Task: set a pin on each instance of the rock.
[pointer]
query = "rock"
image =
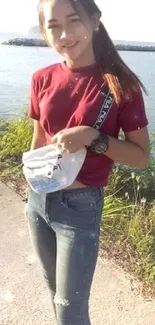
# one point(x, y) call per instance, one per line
point(25, 42)
point(41, 43)
point(143, 48)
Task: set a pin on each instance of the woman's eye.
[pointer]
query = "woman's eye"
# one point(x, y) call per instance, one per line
point(53, 27)
point(75, 20)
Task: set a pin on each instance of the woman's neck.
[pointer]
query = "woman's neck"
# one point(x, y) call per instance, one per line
point(87, 58)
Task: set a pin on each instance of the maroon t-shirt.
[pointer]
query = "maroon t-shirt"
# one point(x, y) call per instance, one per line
point(62, 97)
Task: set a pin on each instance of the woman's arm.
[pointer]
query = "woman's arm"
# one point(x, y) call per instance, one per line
point(38, 139)
point(134, 151)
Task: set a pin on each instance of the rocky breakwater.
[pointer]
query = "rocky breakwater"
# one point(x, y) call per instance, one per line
point(41, 43)
point(141, 48)
point(25, 42)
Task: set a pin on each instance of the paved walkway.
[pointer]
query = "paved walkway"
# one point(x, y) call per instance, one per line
point(24, 298)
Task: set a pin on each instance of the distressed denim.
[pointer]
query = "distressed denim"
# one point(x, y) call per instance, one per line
point(64, 229)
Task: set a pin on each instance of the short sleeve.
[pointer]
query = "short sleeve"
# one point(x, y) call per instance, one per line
point(132, 114)
point(34, 110)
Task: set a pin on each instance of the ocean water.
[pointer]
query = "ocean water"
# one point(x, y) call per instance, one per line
point(18, 63)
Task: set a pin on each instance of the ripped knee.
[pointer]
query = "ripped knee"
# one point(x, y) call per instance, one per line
point(61, 302)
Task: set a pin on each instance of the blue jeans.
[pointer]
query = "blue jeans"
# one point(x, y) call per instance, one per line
point(64, 228)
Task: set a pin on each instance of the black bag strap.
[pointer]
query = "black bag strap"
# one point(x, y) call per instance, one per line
point(105, 109)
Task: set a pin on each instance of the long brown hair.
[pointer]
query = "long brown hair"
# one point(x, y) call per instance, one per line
point(119, 78)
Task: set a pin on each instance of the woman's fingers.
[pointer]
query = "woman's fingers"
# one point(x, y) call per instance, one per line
point(65, 142)
point(55, 139)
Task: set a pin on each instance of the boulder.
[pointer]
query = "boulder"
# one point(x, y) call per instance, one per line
point(25, 42)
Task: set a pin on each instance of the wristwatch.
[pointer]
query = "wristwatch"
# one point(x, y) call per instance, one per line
point(100, 145)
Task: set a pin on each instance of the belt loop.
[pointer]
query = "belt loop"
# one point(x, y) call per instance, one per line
point(61, 196)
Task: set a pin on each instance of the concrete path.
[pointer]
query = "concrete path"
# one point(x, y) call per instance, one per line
point(24, 298)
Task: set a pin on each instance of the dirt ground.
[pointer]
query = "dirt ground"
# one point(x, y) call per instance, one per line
point(24, 298)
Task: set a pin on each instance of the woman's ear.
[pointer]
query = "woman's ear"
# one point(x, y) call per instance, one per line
point(96, 21)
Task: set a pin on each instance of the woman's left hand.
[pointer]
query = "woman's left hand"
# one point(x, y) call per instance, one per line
point(75, 138)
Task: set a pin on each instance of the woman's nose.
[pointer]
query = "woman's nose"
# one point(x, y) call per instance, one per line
point(66, 34)
point(63, 35)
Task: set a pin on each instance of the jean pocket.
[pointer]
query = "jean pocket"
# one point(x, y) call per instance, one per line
point(84, 207)
point(83, 204)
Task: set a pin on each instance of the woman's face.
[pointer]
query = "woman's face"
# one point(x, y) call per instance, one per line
point(67, 32)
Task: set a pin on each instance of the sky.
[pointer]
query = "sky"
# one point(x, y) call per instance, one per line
point(131, 20)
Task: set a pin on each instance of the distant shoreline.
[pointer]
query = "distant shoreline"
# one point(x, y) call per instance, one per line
point(41, 43)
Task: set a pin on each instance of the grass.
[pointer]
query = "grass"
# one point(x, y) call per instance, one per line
point(128, 223)
point(15, 138)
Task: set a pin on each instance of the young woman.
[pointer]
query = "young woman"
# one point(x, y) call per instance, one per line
point(66, 99)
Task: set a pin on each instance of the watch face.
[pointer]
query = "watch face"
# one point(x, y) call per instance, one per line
point(101, 147)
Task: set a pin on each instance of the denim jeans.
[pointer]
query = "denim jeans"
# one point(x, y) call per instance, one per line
point(64, 228)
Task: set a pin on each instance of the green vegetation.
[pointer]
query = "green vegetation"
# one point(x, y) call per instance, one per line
point(15, 138)
point(128, 223)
